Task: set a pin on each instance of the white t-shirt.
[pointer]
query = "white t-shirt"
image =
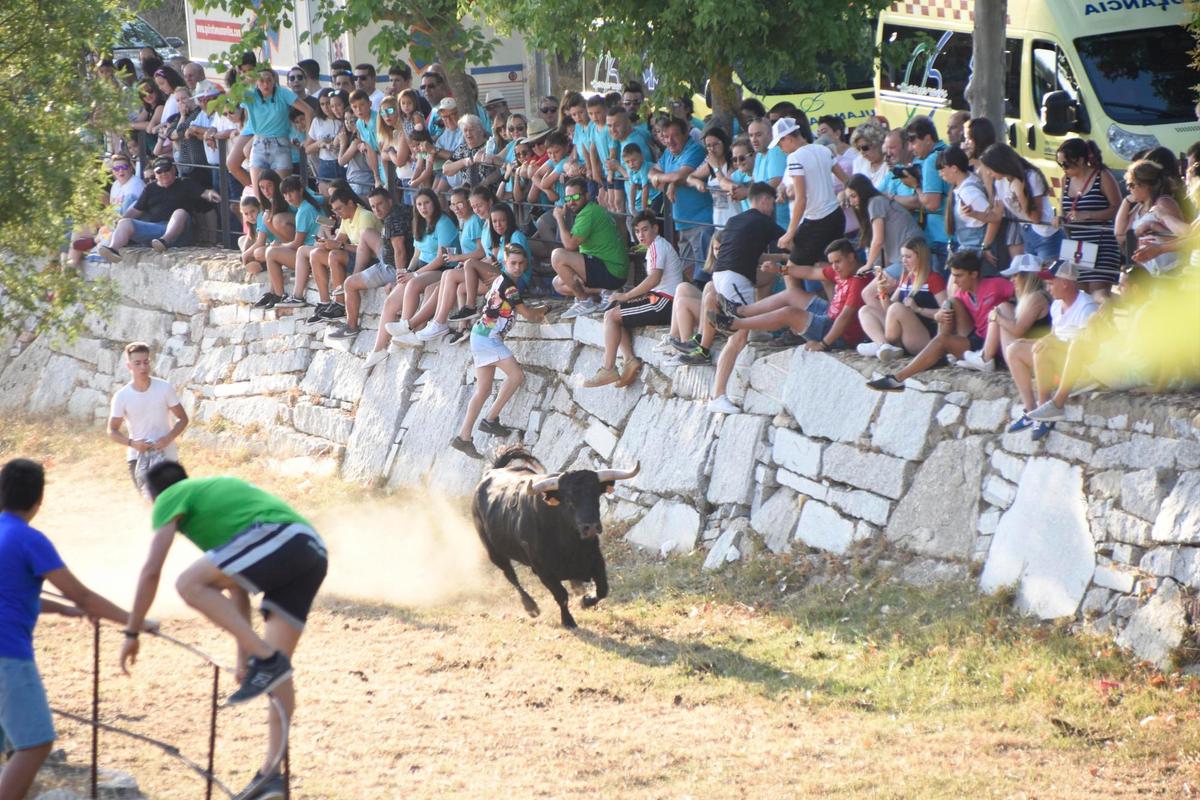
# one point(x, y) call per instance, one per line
point(322, 128)
point(661, 255)
point(147, 414)
point(814, 163)
point(377, 98)
point(1068, 323)
point(1034, 185)
point(124, 195)
point(970, 194)
point(862, 166)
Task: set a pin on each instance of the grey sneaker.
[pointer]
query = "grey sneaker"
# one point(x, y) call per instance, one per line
point(262, 675)
point(290, 301)
point(698, 357)
point(260, 788)
point(342, 331)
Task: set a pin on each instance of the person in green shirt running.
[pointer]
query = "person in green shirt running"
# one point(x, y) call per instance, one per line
point(593, 259)
point(253, 543)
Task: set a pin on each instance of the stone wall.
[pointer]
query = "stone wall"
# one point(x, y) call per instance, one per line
point(1099, 521)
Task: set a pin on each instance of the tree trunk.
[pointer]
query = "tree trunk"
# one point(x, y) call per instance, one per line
point(986, 92)
point(724, 96)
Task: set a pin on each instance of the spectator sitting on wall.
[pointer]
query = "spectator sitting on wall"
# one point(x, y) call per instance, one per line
point(686, 313)
point(593, 260)
point(162, 216)
point(296, 252)
point(962, 321)
point(898, 314)
point(393, 244)
point(335, 255)
point(435, 237)
point(1028, 321)
point(253, 243)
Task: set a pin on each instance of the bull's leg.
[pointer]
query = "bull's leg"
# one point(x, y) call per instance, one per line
point(600, 577)
point(531, 606)
point(560, 596)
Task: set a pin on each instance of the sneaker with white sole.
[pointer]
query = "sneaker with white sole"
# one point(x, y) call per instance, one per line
point(581, 308)
point(1047, 412)
point(887, 353)
point(433, 331)
point(722, 405)
point(397, 328)
point(974, 360)
point(290, 301)
point(341, 332)
point(868, 349)
point(407, 340)
point(375, 358)
point(463, 314)
point(262, 675)
point(159, 245)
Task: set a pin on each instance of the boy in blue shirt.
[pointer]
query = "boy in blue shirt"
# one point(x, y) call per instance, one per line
point(639, 194)
point(26, 559)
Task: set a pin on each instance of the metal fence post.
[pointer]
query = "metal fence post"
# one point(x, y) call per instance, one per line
point(212, 734)
point(95, 775)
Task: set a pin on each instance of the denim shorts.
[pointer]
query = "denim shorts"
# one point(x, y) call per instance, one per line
point(146, 232)
point(24, 710)
point(330, 170)
point(819, 322)
point(271, 152)
point(1044, 247)
point(488, 350)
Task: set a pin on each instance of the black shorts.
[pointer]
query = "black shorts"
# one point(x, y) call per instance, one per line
point(284, 561)
point(652, 309)
point(598, 276)
point(814, 235)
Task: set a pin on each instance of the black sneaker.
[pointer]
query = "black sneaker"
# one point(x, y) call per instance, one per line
point(721, 321)
point(886, 384)
point(333, 311)
point(687, 345)
point(494, 427)
point(342, 332)
point(699, 356)
point(466, 312)
point(261, 788)
point(262, 675)
point(456, 336)
point(110, 254)
point(465, 446)
point(268, 300)
point(316, 315)
point(291, 301)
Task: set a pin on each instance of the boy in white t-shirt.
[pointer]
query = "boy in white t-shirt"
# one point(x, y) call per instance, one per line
point(146, 404)
point(648, 303)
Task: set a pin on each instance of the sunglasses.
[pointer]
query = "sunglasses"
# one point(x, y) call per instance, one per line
point(1062, 164)
point(120, 168)
point(862, 148)
point(295, 78)
point(548, 109)
point(571, 198)
point(516, 127)
point(388, 112)
point(163, 171)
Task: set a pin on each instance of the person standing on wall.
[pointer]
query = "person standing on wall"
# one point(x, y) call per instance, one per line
point(147, 404)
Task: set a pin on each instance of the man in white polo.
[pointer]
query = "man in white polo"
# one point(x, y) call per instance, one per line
point(146, 404)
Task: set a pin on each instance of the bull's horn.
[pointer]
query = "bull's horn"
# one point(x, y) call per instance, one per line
point(548, 484)
point(606, 475)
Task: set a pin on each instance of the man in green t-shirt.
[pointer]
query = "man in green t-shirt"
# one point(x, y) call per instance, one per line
point(593, 259)
point(253, 542)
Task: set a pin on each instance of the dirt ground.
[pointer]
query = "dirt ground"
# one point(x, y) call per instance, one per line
point(420, 677)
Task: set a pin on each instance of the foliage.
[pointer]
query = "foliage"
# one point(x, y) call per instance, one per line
point(52, 112)
point(688, 41)
point(430, 31)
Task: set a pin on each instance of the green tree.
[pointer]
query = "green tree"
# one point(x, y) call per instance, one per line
point(53, 109)
point(431, 30)
point(687, 41)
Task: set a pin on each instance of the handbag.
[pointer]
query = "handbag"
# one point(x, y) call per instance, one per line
point(1082, 254)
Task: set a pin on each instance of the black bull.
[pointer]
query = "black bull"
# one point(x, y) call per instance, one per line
point(550, 523)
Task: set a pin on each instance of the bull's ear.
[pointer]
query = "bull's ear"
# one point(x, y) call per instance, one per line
point(609, 486)
point(551, 498)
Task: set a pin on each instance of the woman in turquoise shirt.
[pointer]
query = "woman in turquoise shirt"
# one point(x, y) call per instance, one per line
point(267, 107)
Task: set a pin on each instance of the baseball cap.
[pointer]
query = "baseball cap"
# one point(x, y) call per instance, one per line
point(448, 104)
point(163, 164)
point(784, 126)
point(1025, 262)
point(1065, 268)
point(493, 97)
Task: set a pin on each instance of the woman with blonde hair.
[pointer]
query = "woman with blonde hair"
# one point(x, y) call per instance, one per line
point(1151, 212)
point(389, 130)
point(1029, 319)
point(903, 320)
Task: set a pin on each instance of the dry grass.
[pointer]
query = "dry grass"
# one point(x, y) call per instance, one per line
point(681, 684)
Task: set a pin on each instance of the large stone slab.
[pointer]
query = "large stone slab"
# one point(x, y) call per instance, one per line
point(827, 398)
point(128, 324)
point(428, 426)
point(328, 423)
point(552, 354)
point(825, 529)
point(939, 514)
point(55, 385)
point(22, 374)
point(670, 438)
point(902, 428)
point(610, 404)
point(1156, 629)
point(382, 406)
point(798, 453)
point(732, 479)
point(775, 520)
point(560, 439)
point(1179, 518)
point(1143, 492)
point(336, 375)
point(169, 285)
point(1042, 543)
point(875, 472)
point(669, 527)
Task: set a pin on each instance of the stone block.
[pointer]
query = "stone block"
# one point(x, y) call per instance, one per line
point(926, 572)
point(669, 527)
point(670, 438)
point(822, 527)
point(726, 548)
point(876, 472)
point(1106, 484)
point(860, 504)
point(528, 397)
point(998, 491)
point(988, 521)
point(775, 520)
point(1095, 602)
point(129, 324)
point(259, 412)
point(1122, 527)
point(428, 426)
point(600, 438)
point(769, 375)
point(1008, 466)
point(590, 331)
point(1140, 452)
point(902, 428)
point(938, 515)
point(802, 486)
point(559, 440)
point(328, 423)
point(173, 288)
point(542, 330)
point(1143, 492)
point(987, 415)
point(1179, 518)
point(827, 398)
point(732, 478)
point(610, 404)
point(383, 404)
point(1156, 629)
point(22, 373)
point(797, 453)
point(1112, 577)
point(55, 384)
point(82, 348)
point(257, 365)
point(949, 415)
point(1069, 448)
point(755, 402)
point(1042, 543)
point(85, 402)
point(335, 375)
point(1185, 567)
point(958, 399)
point(551, 354)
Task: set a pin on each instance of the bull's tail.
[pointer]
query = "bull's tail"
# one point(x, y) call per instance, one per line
point(515, 453)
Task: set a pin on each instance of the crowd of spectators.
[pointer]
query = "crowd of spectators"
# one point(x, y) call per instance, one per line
point(893, 243)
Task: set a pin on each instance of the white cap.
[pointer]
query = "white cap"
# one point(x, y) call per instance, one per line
point(493, 97)
point(448, 104)
point(784, 126)
point(1025, 262)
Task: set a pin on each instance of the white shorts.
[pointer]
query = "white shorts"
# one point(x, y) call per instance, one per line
point(733, 286)
point(488, 350)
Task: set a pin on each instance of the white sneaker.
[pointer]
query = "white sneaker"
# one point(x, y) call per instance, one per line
point(397, 328)
point(973, 359)
point(722, 405)
point(407, 340)
point(888, 353)
point(375, 358)
point(432, 331)
point(869, 349)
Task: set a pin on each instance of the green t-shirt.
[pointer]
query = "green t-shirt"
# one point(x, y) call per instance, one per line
point(213, 511)
point(596, 228)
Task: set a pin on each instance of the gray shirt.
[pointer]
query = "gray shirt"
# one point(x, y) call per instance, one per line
point(898, 226)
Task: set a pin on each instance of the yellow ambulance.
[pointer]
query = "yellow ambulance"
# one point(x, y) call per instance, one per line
point(1118, 72)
